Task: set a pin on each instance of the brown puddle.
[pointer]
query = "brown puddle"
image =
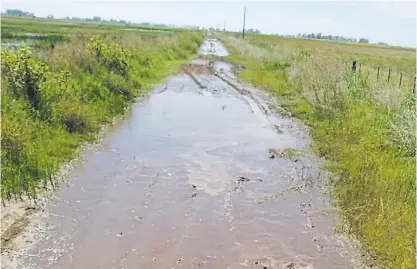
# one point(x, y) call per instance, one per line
point(187, 182)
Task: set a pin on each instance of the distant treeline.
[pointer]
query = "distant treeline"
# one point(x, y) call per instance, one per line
point(20, 13)
point(17, 12)
point(333, 37)
point(320, 36)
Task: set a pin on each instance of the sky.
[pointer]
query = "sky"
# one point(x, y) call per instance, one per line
point(393, 22)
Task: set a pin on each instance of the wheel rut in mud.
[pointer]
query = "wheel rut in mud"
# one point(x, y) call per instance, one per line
point(188, 181)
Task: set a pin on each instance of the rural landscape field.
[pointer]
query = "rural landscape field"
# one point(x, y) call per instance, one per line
point(139, 146)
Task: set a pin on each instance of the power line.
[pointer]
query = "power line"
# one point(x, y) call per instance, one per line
point(244, 20)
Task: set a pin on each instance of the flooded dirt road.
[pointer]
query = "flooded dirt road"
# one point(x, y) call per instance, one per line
point(189, 180)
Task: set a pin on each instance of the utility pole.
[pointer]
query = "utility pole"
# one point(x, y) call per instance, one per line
point(244, 20)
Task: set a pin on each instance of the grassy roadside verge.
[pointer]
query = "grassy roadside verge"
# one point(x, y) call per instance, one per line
point(53, 100)
point(366, 131)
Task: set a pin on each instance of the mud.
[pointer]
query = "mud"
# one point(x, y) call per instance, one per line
point(179, 183)
point(18, 226)
point(212, 46)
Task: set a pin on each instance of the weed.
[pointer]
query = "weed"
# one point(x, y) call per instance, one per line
point(291, 154)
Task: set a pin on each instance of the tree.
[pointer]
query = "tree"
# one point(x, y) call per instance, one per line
point(331, 37)
point(252, 31)
point(363, 40)
point(18, 12)
point(50, 16)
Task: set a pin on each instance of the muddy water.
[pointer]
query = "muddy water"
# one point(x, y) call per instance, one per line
point(211, 46)
point(187, 181)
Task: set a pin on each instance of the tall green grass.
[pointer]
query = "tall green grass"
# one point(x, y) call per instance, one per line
point(56, 99)
point(365, 129)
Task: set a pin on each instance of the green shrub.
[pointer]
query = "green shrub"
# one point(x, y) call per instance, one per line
point(25, 75)
point(112, 56)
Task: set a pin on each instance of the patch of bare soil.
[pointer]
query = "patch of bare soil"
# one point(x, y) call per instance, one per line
point(15, 219)
point(199, 69)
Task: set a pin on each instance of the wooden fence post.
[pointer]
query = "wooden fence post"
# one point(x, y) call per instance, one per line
point(360, 65)
point(389, 74)
point(354, 66)
point(401, 78)
point(377, 75)
point(414, 86)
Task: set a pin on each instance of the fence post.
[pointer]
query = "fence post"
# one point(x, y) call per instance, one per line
point(377, 75)
point(401, 78)
point(389, 74)
point(263, 79)
point(360, 65)
point(414, 86)
point(354, 66)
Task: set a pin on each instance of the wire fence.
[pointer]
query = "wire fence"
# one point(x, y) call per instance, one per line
point(380, 76)
point(388, 76)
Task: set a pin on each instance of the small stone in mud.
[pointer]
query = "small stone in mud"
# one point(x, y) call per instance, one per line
point(304, 205)
point(194, 186)
point(290, 265)
point(277, 129)
point(243, 179)
point(314, 239)
point(273, 153)
point(153, 259)
point(311, 225)
point(120, 234)
point(256, 263)
point(260, 179)
point(179, 260)
point(319, 247)
point(193, 195)
point(31, 208)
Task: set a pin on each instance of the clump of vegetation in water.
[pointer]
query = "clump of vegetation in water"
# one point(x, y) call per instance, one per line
point(290, 154)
